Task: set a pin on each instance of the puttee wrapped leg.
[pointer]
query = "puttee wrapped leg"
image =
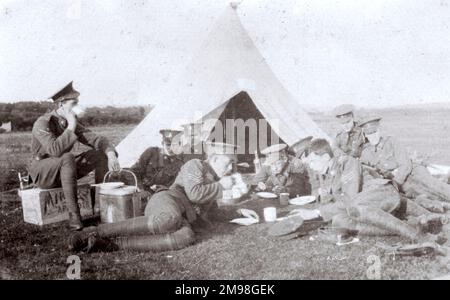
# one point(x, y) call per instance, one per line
point(179, 239)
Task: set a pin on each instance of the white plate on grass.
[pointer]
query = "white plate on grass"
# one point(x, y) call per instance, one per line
point(267, 195)
point(302, 200)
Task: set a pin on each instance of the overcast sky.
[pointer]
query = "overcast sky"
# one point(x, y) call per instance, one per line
point(374, 52)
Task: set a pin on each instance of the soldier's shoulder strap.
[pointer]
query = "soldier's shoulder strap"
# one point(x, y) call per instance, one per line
point(195, 164)
point(44, 118)
point(42, 124)
point(151, 155)
point(194, 169)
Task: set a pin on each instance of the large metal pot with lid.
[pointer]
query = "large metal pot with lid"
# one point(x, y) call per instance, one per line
point(117, 201)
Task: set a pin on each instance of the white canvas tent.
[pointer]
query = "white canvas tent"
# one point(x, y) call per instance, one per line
point(227, 64)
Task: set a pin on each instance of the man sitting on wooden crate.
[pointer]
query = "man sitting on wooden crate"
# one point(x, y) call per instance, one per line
point(169, 213)
point(54, 165)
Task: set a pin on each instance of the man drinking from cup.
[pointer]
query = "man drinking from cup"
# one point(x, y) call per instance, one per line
point(281, 173)
point(54, 164)
point(166, 224)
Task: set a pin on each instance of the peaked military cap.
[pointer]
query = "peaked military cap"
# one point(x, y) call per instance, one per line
point(169, 134)
point(272, 153)
point(66, 93)
point(343, 110)
point(370, 124)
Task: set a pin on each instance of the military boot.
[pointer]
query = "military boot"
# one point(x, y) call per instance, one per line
point(75, 223)
point(179, 239)
point(439, 239)
point(78, 241)
point(432, 223)
point(96, 243)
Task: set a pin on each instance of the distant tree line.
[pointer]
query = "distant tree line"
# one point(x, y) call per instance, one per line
point(24, 114)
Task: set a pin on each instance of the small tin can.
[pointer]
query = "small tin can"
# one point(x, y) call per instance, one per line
point(284, 199)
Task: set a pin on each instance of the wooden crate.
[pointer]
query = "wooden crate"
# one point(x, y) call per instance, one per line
point(41, 207)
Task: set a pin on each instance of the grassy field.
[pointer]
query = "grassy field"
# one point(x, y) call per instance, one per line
point(223, 250)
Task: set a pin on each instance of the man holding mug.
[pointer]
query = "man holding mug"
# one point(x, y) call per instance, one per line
point(169, 214)
point(54, 164)
point(282, 173)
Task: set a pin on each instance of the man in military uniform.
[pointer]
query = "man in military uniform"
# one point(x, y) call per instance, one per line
point(369, 212)
point(282, 173)
point(169, 213)
point(54, 164)
point(386, 157)
point(350, 139)
point(157, 167)
point(300, 149)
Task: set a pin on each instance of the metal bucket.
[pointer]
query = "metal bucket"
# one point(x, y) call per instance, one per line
point(117, 204)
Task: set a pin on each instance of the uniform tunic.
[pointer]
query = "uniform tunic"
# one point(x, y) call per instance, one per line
point(51, 140)
point(350, 143)
point(195, 188)
point(391, 161)
point(169, 210)
point(156, 168)
point(294, 178)
point(388, 158)
point(342, 190)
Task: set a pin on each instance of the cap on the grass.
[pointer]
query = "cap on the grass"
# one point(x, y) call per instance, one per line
point(343, 110)
point(370, 124)
point(66, 93)
point(301, 146)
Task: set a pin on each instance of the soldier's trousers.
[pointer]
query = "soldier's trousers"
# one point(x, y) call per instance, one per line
point(372, 212)
point(421, 182)
point(64, 171)
point(163, 226)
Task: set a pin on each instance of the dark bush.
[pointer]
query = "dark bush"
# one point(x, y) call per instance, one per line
point(24, 114)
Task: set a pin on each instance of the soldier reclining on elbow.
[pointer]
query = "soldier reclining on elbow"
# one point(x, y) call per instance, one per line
point(372, 211)
point(386, 157)
point(169, 214)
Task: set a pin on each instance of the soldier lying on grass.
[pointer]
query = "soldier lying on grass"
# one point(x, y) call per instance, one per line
point(169, 214)
point(370, 209)
point(386, 158)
